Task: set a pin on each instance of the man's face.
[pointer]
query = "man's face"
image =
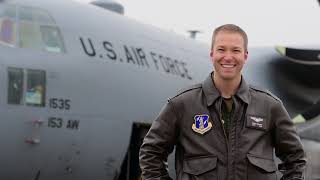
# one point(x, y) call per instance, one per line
point(228, 55)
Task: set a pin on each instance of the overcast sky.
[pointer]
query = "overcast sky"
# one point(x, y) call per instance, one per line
point(272, 22)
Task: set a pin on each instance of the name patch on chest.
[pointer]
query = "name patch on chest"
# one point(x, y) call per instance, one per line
point(256, 122)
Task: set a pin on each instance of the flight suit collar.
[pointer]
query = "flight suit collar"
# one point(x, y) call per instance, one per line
point(212, 93)
point(243, 91)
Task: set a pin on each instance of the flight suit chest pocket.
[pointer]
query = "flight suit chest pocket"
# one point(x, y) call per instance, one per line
point(260, 168)
point(201, 168)
point(256, 122)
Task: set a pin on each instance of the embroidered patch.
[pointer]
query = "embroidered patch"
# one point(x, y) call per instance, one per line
point(201, 124)
point(256, 122)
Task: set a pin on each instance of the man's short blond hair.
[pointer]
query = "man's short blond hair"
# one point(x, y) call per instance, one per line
point(232, 29)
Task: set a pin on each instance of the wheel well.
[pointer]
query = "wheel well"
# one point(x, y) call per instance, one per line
point(130, 168)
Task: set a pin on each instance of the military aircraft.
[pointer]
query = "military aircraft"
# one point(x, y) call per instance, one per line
point(80, 86)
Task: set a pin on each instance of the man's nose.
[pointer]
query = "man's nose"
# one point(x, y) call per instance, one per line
point(228, 55)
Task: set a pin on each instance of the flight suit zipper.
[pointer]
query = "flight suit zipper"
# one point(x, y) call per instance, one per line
point(233, 134)
point(224, 132)
point(232, 123)
point(222, 121)
point(222, 124)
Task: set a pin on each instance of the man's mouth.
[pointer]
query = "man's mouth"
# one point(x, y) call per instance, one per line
point(228, 65)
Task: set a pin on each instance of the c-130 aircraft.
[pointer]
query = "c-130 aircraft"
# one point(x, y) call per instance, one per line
point(79, 89)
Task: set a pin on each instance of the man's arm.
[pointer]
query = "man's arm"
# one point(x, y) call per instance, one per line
point(288, 145)
point(158, 144)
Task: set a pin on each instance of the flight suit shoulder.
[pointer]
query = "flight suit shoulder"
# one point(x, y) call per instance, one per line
point(264, 91)
point(185, 90)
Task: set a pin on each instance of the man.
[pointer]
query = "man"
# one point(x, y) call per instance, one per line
point(223, 129)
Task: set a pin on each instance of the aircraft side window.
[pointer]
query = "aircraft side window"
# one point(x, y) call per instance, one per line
point(36, 91)
point(15, 85)
point(8, 27)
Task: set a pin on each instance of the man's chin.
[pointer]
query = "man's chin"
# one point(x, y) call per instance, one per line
point(228, 77)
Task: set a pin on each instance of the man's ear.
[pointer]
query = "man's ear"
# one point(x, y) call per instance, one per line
point(246, 54)
point(211, 56)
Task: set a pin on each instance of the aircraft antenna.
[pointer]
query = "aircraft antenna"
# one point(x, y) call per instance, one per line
point(193, 33)
point(109, 5)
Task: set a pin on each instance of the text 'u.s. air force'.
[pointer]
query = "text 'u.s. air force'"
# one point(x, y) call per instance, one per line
point(136, 56)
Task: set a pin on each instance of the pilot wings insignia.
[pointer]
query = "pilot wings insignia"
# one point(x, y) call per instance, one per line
point(256, 119)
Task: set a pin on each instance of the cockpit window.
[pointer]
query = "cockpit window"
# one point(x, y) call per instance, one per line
point(29, 27)
point(52, 39)
point(42, 17)
point(39, 31)
point(8, 25)
point(29, 36)
point(35, 15)
point(8, 11)
point(25, 14)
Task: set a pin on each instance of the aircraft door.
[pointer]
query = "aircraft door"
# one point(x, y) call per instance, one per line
point(58, 133)
point(20, 126)
point(2, 87)
point(41, 140)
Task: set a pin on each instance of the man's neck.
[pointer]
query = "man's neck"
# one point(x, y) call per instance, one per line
point(226, 88)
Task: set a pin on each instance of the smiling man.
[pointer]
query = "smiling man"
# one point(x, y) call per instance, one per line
point(223, 128)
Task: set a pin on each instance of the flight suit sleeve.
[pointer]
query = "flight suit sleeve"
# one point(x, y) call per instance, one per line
point(158, 144)
point(288, 146)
